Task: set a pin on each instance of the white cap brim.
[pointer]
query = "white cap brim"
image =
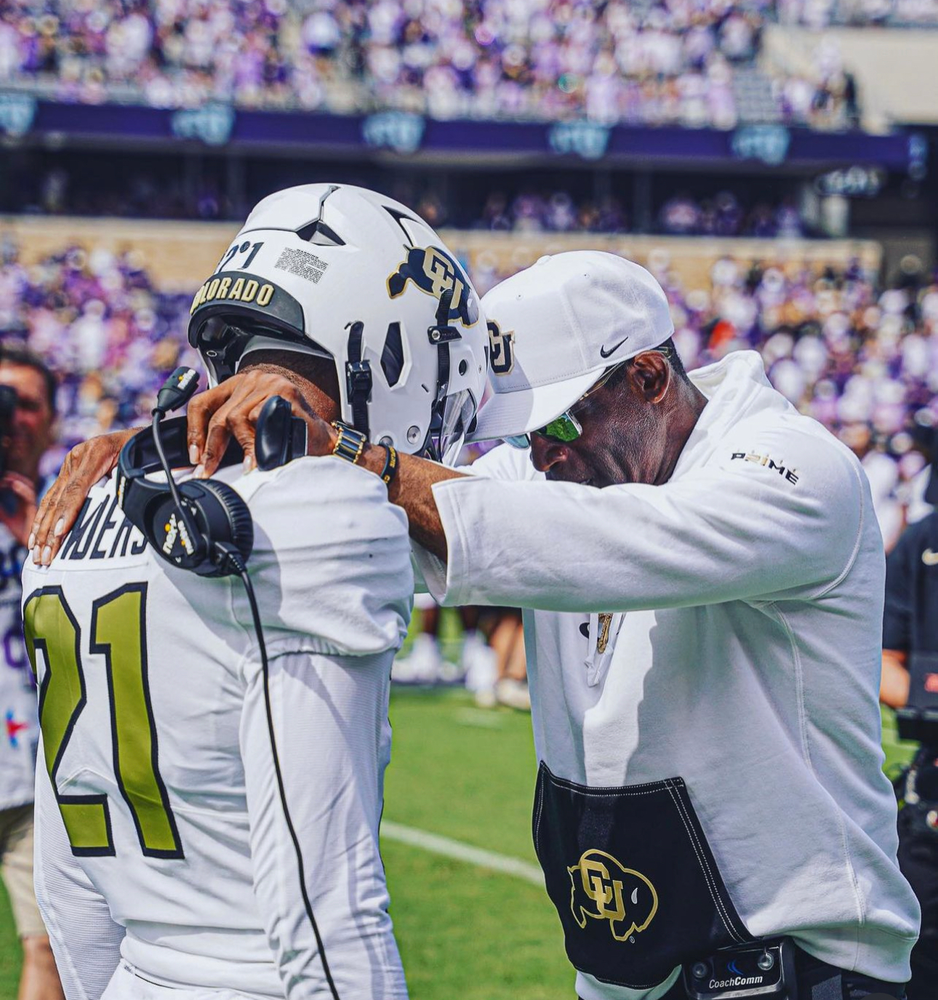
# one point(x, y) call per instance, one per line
point(507, 414)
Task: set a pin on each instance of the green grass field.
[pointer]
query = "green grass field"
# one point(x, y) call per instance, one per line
point(464, 931)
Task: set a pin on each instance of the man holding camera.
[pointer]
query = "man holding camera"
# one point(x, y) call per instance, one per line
point(27, 420)
point(910, 685)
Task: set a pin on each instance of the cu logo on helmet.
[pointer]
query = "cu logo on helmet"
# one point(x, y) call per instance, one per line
point(603, 889)
point(433, 271)
point(502, 356)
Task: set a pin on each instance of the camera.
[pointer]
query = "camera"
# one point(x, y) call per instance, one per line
point(917, 786)
point(919, 719)
point(8, 401)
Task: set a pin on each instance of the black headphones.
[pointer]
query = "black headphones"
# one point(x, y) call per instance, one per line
point(205, 527)
point(214, 519)
point(202, 525)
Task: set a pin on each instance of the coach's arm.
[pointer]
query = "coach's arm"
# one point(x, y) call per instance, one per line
point(215, 416)
point(724, 532)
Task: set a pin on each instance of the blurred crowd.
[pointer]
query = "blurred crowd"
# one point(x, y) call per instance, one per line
point(652, 62)
point(102, 327)
point(531, 210)
point(723, 215)
point(860, 359)
point(135, 195)
point(680, 215)
point(819, 14)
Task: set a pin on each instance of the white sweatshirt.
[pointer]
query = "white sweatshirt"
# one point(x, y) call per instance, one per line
point(744, 655)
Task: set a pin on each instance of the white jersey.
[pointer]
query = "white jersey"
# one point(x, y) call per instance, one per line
point(174, 847)
point(724, 628)
point(18, 704)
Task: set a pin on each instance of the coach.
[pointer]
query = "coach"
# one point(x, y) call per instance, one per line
point(705, 578)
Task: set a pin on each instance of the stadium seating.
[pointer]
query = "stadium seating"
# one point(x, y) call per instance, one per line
point(684, 62)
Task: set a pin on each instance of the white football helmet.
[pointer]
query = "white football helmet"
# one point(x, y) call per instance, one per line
point(346, 273)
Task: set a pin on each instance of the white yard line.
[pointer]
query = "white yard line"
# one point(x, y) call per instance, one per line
point(459, 851)
point(481, 718)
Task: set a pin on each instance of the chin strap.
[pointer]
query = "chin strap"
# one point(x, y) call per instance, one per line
point(358, 379)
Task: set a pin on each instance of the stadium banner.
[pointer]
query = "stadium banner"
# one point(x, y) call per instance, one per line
point(406, 134)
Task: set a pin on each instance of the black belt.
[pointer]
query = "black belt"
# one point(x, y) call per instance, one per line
point(819, 981)
point(811, 978)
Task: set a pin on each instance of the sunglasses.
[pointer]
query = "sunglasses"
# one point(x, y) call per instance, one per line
point(566, 427)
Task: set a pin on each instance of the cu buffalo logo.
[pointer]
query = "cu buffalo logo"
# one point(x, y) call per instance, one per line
point(435, 272)
point(604, 890)
point(502, 356)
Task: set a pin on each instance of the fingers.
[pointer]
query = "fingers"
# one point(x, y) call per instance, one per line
point(200, 411)
point(238, 419)
point(61, 518)
point(245, 433)
point(215, 415)
point(39, 518)
point(84, 465)
point(42, 525)
point(217, 436)
point(56, 514)
point(231, 410)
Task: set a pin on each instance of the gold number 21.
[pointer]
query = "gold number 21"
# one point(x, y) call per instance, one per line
point(118, 630)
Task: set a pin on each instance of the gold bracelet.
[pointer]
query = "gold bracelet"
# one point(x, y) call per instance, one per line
point(350, 443)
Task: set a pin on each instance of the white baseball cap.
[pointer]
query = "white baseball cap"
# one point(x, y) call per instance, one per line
point(555, 327)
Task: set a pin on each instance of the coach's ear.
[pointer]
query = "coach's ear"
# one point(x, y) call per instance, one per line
point(649, 373)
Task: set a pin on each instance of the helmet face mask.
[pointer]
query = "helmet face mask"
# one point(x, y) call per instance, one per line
point(342, 272)
point(453, 424)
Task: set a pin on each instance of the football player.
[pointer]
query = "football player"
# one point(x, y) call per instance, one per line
point(176, 769)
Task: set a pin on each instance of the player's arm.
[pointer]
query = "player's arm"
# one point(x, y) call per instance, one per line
point(232, 409)
point(733, 530)
point(85, 940)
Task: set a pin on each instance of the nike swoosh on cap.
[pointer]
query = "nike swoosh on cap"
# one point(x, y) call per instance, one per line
point(604, 353)
point(930, 558)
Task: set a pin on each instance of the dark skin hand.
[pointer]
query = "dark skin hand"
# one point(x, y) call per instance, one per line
point(634, 430)
point(84, 465)
point(231, 410)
